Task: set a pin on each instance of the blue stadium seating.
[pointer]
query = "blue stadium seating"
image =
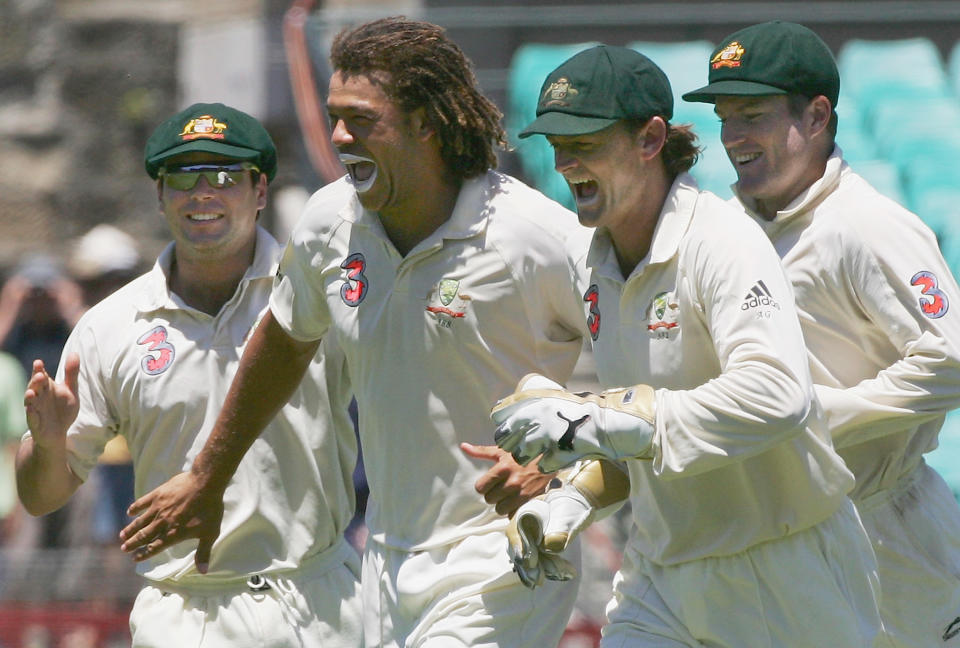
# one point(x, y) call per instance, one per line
point(953, 68)
point(873, 70)
point(946, 458)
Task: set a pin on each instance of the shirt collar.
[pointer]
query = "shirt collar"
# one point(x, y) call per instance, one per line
point(809, 198)
point(469, 216)
point(672, 224)
point(157, 295)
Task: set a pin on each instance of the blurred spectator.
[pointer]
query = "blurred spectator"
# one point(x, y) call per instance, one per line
point(102, 260)
point(39, 304)
point(13, 382)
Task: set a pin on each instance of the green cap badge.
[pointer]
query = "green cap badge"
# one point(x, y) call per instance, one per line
point(771, 58)
point(212, 128)
point(598, 87)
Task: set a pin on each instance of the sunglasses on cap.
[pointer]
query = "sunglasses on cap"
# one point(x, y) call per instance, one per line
point(218, 176)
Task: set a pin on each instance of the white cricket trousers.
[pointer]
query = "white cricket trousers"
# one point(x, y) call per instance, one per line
point(813, 589)
point(459, 595)
point(915, 530)
point(316, 606)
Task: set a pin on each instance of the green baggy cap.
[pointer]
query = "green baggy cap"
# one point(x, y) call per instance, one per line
point(771, 58)
point(212, 128)
point(598, 87)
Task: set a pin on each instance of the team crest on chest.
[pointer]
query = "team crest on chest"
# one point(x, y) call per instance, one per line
point(159, 353)
point(446, 304)
point(662, 315)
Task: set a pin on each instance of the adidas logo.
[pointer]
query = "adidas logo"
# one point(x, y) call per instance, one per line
point(952, 630)
point(758, 296)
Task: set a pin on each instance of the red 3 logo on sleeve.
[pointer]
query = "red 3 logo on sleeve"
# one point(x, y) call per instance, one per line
point(160, 351)
point(934, 302)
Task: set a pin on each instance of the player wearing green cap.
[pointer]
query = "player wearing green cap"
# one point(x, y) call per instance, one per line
point(153, 361)
point(877, 306)
point(742, 531)
point(444, 282)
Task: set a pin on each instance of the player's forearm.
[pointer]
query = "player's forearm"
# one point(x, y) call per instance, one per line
point(44, 479)
point(270, 371)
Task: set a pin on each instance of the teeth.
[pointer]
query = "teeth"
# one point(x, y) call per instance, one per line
point(743, 158)
point(350, 161)
point(580, 187)
point(349, 158)
point(204, 216)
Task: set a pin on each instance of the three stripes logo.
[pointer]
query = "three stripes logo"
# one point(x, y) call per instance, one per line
point(952, 630)
point(759, 295)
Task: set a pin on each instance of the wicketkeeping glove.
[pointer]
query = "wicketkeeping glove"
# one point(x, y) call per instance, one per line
point(541, 418)
point(545, 526)
point(525, 546)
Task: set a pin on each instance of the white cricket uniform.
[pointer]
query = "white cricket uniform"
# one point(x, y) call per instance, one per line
point(878, 308)
point(156, 371)
point(432, 340)
point(742, 532)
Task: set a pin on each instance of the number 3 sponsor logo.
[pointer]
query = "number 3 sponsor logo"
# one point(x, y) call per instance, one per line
point(354, 288)
point(161, 352)
point(934, 303)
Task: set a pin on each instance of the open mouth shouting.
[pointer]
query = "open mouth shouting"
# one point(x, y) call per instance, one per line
point(362, 171)
point(585, 192)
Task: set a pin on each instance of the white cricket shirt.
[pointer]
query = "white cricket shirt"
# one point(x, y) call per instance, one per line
point(707, 318)
point(434, 338)
point(879, 311)
point(156, 371)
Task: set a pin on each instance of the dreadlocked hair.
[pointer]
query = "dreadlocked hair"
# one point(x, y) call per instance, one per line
point(418, 66)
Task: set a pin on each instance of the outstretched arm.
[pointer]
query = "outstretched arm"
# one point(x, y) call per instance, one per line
point(190, 505)
point(44, 479)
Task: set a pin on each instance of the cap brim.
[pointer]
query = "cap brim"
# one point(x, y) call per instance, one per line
point(557, 123)
point(707, 93)
point(206, 146)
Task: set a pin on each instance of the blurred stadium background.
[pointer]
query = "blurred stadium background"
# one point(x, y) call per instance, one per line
point(82, 83)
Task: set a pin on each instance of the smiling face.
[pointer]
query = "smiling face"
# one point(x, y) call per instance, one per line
point(211, 223)
point(385, 151)
point(777, 154)
point(605, 173)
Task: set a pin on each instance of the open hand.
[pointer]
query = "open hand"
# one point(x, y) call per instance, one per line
point(180, 509)
point(507, 485)
point(51, 406)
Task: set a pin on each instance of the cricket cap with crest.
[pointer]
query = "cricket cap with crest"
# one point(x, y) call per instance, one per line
point(770, 58)
point(212, 128)
point(598, 87)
